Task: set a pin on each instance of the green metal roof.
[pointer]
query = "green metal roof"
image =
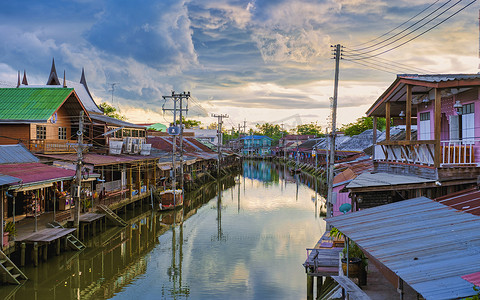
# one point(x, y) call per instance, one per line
point(30, 104)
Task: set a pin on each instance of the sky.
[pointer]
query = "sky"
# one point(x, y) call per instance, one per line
point(255, 60)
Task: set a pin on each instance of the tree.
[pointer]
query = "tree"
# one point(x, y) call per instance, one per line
point(308, 129)
point(274, 132)
point(189, 123)
point(361, 125)
point(111, 111)
point(212, 126)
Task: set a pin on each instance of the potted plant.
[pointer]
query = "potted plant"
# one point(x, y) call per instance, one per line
point(9, 231)
point(357, 260)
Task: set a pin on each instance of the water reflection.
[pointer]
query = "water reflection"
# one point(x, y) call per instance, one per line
point(242, 237)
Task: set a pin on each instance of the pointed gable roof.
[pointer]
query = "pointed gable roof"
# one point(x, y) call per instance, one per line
point(24, 81)
point(53, 78)
point(83, 81)
point(27, 105)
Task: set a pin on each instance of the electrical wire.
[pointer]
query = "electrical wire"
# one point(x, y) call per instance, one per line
point(404, 30)
point(386, 33)
point(417, 36)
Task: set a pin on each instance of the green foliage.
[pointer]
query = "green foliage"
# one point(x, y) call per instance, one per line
point(10, 228)
point(476, 296)
point(189, 123)
point(361, 125)
point(308, 129)
point(274, 132)
point(111, 111)
point(334, 232)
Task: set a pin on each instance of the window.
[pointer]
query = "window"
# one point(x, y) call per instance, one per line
point(134, 133)
point(41, 132)
point(468, 123)
point(424, 126)
point(62, 133)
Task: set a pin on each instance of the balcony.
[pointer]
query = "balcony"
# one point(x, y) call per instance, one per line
point(452, 153)
point(52, 146)
point(456, 159)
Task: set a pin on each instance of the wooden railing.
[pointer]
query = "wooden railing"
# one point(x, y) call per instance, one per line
point(423, 152)
point(410, 152)
point(52, 146)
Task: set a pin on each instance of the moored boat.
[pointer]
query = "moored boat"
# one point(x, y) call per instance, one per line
point(167, 200)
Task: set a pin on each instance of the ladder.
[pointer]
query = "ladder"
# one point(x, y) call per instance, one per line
point(75, 243)
point(11, 273)
point(112, 216)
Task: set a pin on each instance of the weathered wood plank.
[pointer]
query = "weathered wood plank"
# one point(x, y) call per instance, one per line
point(351, 288)
point(46, 235)
point(90, 217)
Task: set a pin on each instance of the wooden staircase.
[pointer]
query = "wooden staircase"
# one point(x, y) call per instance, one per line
point(11, 273)
point(72, 240)
point(112, 216)
point(75, 243)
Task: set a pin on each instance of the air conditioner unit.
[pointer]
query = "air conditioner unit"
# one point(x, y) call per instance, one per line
point(128, 145)
point(136, 148)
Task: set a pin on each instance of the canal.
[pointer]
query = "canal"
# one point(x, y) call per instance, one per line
point(246, 242)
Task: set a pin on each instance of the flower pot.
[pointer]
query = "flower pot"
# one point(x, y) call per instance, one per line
point(5, 239)
point(354, 266)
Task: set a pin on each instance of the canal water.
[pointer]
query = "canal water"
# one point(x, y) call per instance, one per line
point(246, 242)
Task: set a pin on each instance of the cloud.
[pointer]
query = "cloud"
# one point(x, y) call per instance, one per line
point(154, 33)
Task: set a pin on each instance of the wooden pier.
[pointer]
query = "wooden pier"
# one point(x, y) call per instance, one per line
point(89, 221)
point(40, 241)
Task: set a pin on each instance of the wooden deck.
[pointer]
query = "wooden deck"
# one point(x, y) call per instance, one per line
point(46, 235)
point(322, 260)
point(90, 217)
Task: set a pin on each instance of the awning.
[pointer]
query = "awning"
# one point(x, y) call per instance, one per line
point(164, 167)
point(427, 244)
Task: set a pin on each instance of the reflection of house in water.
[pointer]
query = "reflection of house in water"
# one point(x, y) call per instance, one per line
point(259, 170)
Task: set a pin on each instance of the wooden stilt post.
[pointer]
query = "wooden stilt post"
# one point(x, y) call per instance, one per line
point(35, 254)
point(45, 252)
point(23, 247)
point(309, 287)
point(57, 246)
point(129, 182)
point(319, 286)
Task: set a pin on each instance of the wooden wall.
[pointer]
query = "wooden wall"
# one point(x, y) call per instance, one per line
point(16, 131)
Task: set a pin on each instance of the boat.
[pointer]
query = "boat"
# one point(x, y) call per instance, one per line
point(166, 201)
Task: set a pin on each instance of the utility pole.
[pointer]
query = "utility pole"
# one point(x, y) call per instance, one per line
point(175, 98)
point(219, 135)
point(337, 56)
point(78, 178)
point(245, 127)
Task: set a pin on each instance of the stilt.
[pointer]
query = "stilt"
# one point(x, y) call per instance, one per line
point(45, 252)
point(319, 286)
point(23, 247)
point(35, 254)
point(57, 247)
point(309, 287)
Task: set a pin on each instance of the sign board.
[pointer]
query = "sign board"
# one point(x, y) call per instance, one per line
point(115, 147)
point(173, 130)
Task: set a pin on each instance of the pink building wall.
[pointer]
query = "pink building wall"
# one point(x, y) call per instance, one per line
point(341, 199)
point(467, 97)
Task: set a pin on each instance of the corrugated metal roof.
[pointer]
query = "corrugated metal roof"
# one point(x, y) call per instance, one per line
point(35, 172)
point(27, 104)
point(466, 200)
point(440, 77)
point(473, 278)
point(113, 121)
point(427, 244)
point(12, 154)
point(5, 179)
point(384, 179)
point(99, 159)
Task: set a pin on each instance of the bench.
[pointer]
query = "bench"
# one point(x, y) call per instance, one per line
point(62, 216)
point(350, 288)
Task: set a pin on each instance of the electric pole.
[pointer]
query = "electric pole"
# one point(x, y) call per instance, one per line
point(331, 162)
point(219, 135)
point(175, 98)
point(78, 176)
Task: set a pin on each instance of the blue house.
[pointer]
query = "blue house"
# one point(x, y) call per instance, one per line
point(257, 145)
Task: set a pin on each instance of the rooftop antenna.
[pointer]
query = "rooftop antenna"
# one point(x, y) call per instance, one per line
point(113, 89)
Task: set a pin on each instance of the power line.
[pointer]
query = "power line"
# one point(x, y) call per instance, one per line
point(393, 36)
point(398, 25)
point(417, 36)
